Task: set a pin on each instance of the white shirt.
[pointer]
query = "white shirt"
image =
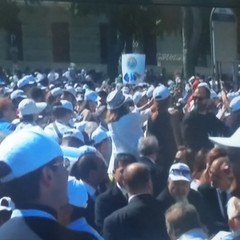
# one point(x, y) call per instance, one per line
point(51, 132)
point(144, 114)
point(25, 125)
point(125, 134)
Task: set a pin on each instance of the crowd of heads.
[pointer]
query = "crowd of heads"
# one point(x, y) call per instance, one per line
point(66, 137)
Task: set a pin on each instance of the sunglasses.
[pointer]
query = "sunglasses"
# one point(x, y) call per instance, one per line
point(64, 163)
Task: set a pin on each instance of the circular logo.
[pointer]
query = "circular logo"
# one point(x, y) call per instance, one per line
point(132, 63)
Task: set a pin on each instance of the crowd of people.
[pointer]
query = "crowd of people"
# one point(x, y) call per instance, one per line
point(87, 160)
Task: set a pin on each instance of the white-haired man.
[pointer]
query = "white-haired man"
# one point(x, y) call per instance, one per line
point(233, 212)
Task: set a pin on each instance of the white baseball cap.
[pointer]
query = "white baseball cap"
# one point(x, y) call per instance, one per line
point(56, 91)
point(99, 135)
point(161, 93)
point(67, 105)
point(137, 96)
point(25, 151)
point(74, 133)
point(180, 172)
point(91, 96)
point(17, 94)
point(77, 193)
point(85, 150)
point(28, 107)
point(71, 90)
point(26, 80)
point(150, 91)
point(233, 141)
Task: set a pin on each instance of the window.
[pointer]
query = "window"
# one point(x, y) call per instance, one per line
point(104, 28)
point(60, 42)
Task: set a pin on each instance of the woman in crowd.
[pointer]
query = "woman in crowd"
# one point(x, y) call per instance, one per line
point(124, 126)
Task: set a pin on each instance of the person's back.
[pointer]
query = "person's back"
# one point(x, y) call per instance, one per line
point(37, 228)
point(143, 217)
point(126, 132)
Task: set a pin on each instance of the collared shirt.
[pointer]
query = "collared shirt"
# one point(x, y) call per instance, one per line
point(123, 190)
point(149, 159)
point(133, 196)
point(220, 201)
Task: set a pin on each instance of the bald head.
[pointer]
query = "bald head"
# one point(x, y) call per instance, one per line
point(137, 179)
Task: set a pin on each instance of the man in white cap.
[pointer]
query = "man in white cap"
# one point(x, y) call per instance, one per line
point(26, 83)
point(178, 190)
point(33, 172)
point(73, 138)
point(77, 197)
point(102, 142)
point(17, 96)
point(28, 112)
point(91, 170)
point(63, 113)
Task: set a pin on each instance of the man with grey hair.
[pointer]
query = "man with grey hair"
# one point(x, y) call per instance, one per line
point(183, 222)
point(178, 190)
point(148, 149)
point(233, 212)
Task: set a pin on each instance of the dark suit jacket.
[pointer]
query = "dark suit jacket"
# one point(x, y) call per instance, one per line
point(194, 198)
point(211, 201)
point(37, 228)
point(141, 219)
point(157, 175)
point(90, 211)
point(197, 127)
point(108, 202)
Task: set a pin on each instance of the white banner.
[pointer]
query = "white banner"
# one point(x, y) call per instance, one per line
point(133, 68)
